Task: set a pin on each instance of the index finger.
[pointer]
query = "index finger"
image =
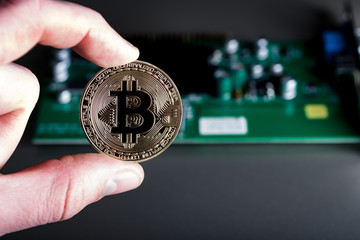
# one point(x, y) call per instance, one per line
point(24, 23)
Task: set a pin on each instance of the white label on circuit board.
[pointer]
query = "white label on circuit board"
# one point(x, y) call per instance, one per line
point(223, 126)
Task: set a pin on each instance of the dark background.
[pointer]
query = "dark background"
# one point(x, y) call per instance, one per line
point(218, 191)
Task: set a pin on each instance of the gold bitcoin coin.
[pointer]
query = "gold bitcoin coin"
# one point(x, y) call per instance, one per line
point(131, 112)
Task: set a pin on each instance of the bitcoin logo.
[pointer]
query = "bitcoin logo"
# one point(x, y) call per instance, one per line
point(132, 119)
point(131, 112)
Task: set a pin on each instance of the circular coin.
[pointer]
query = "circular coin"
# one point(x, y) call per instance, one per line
point(131, 112)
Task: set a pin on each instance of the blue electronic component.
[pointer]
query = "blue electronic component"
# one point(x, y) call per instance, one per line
point(333, 44)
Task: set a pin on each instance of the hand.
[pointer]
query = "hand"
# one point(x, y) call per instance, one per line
point(56, 189)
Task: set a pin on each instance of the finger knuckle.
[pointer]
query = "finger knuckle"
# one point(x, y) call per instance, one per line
point(58, 200)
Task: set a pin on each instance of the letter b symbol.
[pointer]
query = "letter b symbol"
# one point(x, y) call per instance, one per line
point(132, 111)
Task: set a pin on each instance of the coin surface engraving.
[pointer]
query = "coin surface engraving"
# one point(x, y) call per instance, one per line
point(131, 112)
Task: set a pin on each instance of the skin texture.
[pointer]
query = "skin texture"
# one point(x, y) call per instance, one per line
point(57, 189)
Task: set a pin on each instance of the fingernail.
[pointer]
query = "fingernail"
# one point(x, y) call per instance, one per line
point(121, 182)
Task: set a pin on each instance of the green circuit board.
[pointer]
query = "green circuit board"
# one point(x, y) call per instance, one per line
point(240, 93)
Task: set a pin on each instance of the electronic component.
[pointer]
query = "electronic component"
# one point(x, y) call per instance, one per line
point(224, 84)
point(61, 64)
point(257, 71)
point(262, 51)
point(239, 77)
point(277, 69)
point(288, 87)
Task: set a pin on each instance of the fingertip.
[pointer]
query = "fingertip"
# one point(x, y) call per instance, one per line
point(128, 176)
point(20, 85)
point(122, 181)
point(69, 25)
point(132, 51)
point(19, 93)
point(123, 52)
point(105, 175)
point(113, 51)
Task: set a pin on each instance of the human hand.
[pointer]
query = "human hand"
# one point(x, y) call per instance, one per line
point(56, 189)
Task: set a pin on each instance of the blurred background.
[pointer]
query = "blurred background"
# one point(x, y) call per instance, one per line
point(212, 191)
point(276, 19)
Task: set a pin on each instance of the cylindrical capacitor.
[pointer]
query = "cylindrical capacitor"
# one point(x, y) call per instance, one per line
point(60, 71)
point(262, 50)
point(61, 65)
point(63, 55)
point(257, 71)
point(231, 50)
point(277, 69)
point(270, 91)
point(288, 87)
point(232, 46)
point(224, 84)
point(216, 58)
point(64, 96)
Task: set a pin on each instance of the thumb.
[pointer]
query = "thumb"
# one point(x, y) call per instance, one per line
point(58, 189)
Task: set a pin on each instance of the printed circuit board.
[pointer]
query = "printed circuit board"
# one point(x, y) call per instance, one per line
point(232, 91)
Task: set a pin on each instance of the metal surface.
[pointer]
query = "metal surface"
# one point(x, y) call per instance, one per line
point(131, 112)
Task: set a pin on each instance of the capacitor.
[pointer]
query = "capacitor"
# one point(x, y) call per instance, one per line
point(63, 55)
point(262, 50)
point(60, 71)
point(61, 64)
point(288, 87)
point(216, 58)
point(64, 96)
point(269, 91)
point(277, 69)
point(224, 84)
point(232, 46)
point(257, 71)
point(262, 43)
